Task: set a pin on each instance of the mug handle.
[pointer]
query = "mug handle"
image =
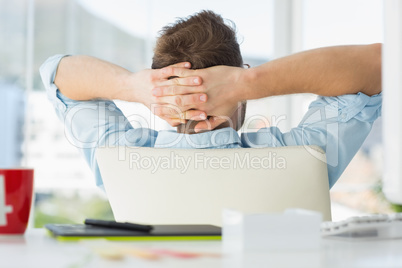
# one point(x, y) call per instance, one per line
point(4, 209)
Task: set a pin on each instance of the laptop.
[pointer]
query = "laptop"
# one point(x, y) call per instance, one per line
point(193, 186)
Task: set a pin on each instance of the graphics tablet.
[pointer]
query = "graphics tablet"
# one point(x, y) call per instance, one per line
point(71, 232)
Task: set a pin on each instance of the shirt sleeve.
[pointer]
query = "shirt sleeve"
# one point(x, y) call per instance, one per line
point(339, 125)
point(92, 124)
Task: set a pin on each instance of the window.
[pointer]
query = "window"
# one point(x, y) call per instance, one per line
point(329, 23)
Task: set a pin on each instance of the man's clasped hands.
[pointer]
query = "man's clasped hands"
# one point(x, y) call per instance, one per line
point(178, 94)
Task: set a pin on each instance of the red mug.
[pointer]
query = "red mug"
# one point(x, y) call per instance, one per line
point(16, 190)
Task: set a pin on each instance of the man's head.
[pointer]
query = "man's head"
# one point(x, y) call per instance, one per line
point(204, 40)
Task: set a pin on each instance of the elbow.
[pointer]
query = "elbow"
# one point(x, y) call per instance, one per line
point(376, 47)
point(378, 51)
point(376, 60)
point(377, 55)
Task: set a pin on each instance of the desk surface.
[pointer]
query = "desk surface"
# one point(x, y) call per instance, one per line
point(36, 249)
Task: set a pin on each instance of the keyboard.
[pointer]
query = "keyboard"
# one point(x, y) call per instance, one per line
point(376, 226)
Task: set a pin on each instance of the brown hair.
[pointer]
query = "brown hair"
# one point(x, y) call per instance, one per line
point(204, 40)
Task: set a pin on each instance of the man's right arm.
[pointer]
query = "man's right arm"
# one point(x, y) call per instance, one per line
point(328, 71)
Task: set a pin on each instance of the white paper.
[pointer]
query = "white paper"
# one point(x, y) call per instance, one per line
point(295, 229)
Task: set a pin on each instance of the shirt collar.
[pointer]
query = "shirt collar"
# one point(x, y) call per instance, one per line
point(210, 139)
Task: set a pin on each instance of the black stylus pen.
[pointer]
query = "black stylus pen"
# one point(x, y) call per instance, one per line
point(119, 225)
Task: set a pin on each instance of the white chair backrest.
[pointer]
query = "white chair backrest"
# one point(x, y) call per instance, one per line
point(185, 186)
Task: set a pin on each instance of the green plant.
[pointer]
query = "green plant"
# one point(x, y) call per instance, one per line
point(377, 189)
point(60, 208)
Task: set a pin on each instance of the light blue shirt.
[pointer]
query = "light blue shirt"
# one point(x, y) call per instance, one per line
point(339, 125)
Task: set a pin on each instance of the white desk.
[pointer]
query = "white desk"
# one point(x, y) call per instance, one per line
point(36, 249)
